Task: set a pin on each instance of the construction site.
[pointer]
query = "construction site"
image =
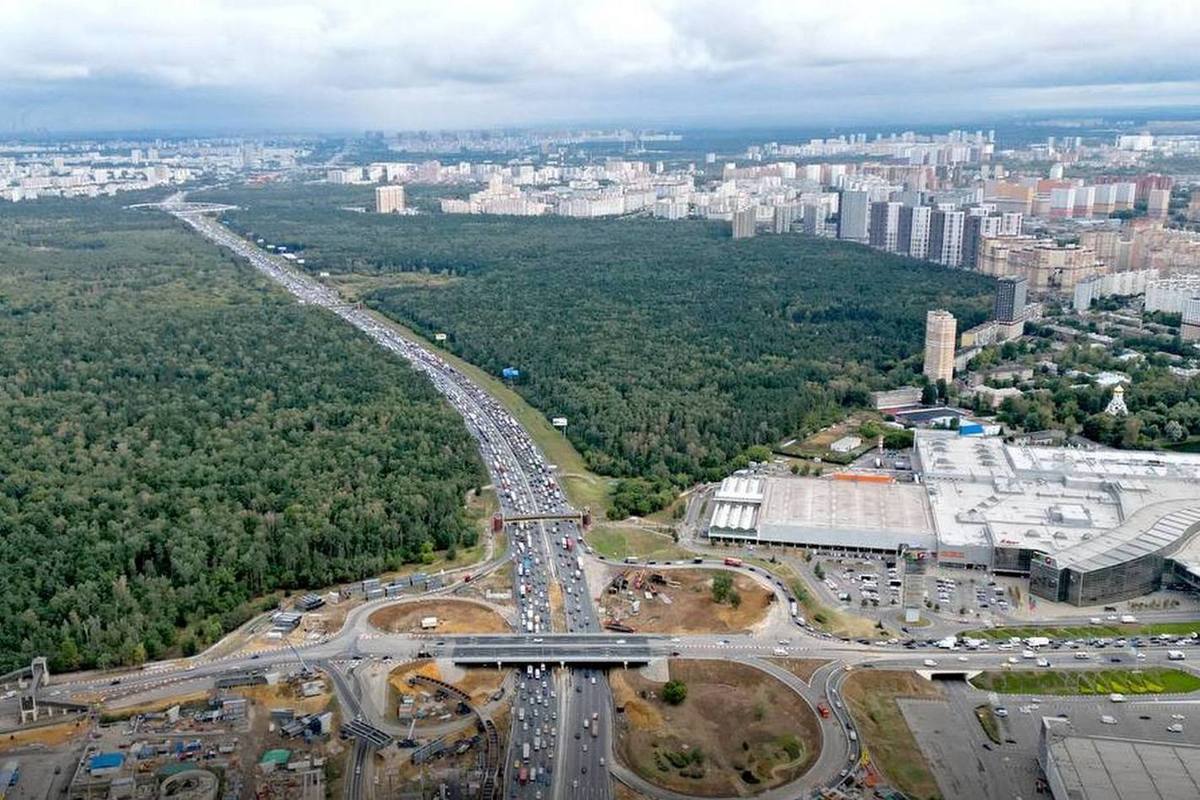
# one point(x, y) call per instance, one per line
point(640, 599)
point(258, 735)
point(451, 731)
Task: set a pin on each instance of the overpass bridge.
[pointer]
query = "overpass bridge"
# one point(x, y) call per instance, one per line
point(580, 650)
point(579, 517)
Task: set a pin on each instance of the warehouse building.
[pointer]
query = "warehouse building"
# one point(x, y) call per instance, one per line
point(1079, 767)
point(859, 516)
point(1088, 526)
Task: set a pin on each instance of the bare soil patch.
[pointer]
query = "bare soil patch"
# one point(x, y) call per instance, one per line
point(739, 732)
point(453, 616)
point(681, 601)
point(871, 697)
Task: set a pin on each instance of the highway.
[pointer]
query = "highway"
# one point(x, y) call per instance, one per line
point(564, 716)
point(525, 485)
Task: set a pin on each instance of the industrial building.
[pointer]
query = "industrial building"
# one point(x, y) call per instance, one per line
point(1088, 526)
point(1079, 767)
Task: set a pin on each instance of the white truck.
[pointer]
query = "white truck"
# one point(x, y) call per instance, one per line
point(1037, 641)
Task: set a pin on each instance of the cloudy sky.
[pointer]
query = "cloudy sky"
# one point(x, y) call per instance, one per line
point(405, 64)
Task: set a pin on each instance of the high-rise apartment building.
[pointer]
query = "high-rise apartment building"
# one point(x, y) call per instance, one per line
point(976, 227)
point(854, 216)
point(782, 219)
point(884, 227)
point(946, 229)
point(1011, 292)
point(389, 199)
point(743, 223)
point(814, 219)
point(940, 329)
point(912, 238)
point(1158, 201)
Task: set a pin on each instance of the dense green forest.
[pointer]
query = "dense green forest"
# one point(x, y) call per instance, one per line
point(670, 347)
point(178, 438)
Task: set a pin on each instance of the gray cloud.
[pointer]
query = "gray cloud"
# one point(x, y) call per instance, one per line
point(344, 64)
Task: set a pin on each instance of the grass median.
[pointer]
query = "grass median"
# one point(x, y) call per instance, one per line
point(1152, 680)
point(1087, 631)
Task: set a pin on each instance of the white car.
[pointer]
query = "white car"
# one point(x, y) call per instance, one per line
point(1175, 728)
point(929, 662)
point(1107, 720)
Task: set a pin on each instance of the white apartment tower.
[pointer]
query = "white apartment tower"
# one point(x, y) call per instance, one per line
point(946, 230)
point(884, 228)
point(389, 199)
point(913, 237)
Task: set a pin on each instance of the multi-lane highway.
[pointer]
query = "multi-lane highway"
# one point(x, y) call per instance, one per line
point(560, 742)
point(544, 570)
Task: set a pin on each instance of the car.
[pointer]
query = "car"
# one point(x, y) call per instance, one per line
point(602, 761)
point(583, 769)
point(987, 746)
point(1175, 728)
point(576, 734)
point(1001, 711)
point(1107, 720)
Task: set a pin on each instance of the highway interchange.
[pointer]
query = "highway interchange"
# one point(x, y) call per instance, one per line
point(566, 759)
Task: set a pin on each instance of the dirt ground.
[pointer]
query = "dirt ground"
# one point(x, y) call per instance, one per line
point(739, 732)
point(871, 697)
point(281, 695)
point(479, 682)
point(46, 735)
point(454, 616)
point(688, 606)
point(495, 587)
point(802, 668)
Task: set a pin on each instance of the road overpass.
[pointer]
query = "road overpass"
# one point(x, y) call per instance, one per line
point(559, 650)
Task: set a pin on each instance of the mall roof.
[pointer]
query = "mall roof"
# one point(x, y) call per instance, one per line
point(1159, 527)
point(1100, 768)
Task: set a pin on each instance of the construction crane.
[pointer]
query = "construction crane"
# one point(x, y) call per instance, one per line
point(305, 669)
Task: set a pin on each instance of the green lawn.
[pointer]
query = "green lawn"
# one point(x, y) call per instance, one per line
point(621, 542)
point(1087, 631)
point(1152, 680)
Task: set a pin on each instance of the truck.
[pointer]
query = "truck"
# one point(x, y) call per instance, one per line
point(525, 751)
point(523, 775)
point(730, 561)
point(1037, 641)
point(521, 713)
point(823, 710)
